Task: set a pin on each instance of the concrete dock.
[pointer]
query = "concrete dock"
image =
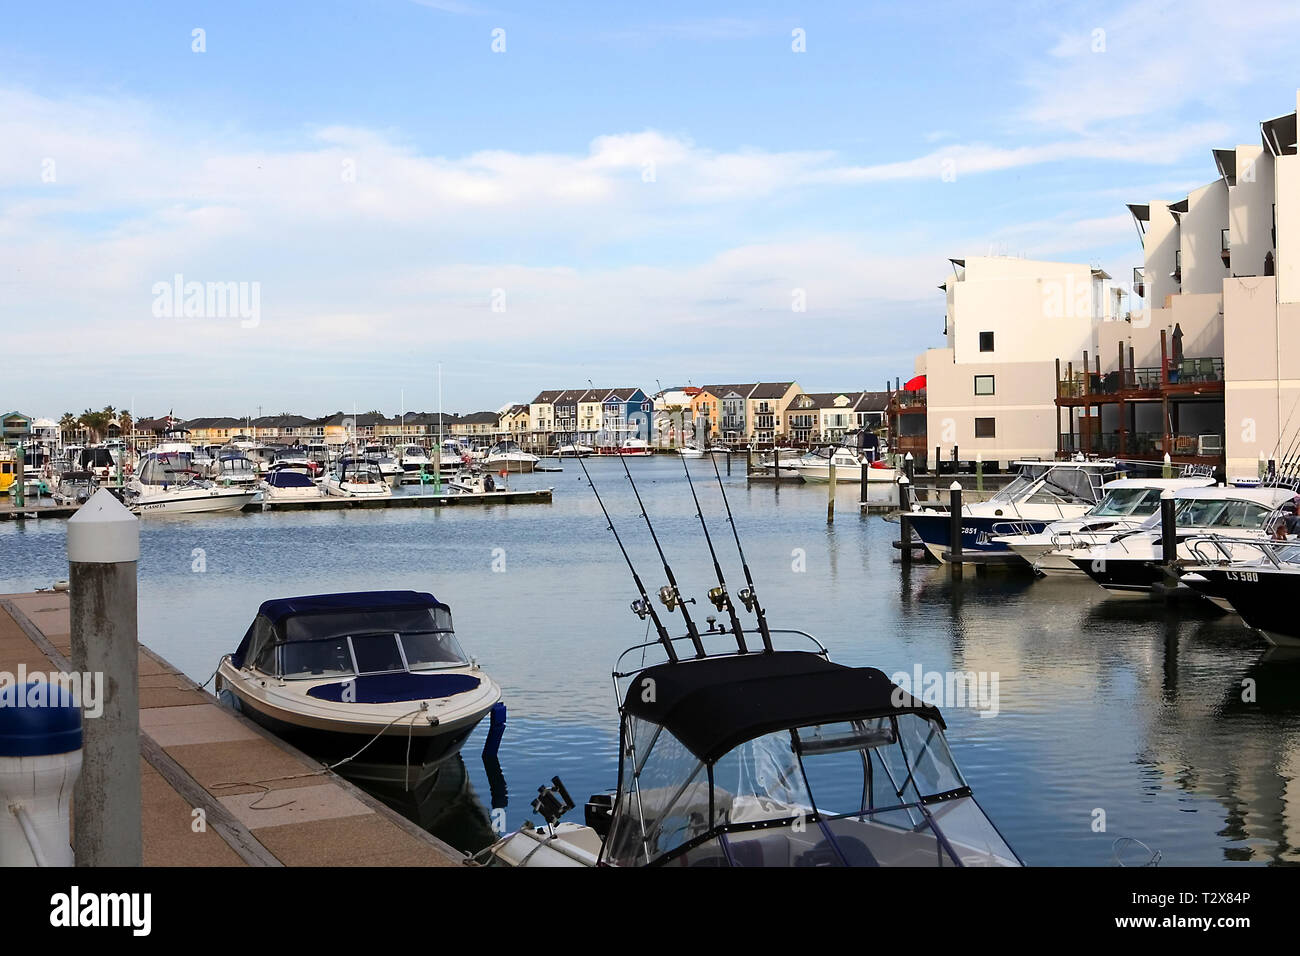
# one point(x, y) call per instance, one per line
point(263, 802)
point(323, 503)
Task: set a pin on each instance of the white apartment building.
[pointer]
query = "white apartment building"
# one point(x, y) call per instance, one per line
point(991, 390)
point(1208, 368)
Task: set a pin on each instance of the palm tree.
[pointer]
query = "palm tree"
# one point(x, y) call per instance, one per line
point(67, 425)
point(94, 422)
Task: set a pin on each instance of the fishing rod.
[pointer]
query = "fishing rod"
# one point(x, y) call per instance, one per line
point(718, 596)
point(749, 596)
point(671, 595)
point(1289, 459)
point(642, 606)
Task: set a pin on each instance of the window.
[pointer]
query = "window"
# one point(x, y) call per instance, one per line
point(986, 341)
point(983, 384)
point(985, 428)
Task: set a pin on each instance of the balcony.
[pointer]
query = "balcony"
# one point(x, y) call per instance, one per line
point(1188, 371)
point(1197, 448)
point(1225, 246)
point(1139, 282)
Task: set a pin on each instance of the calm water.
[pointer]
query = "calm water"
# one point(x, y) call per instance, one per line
point(1104, 703)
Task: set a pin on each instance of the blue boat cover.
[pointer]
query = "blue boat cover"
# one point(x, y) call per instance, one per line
point(390, 688)
point(284, 478)
point(362, 601)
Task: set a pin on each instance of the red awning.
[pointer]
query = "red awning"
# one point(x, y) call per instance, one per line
point(914, 384)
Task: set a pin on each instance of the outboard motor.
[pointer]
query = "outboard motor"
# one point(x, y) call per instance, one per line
point(40, 759)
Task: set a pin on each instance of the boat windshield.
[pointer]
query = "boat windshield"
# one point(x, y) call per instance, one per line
point(345, 644)
point(877, 791)
point(1120, 502)
point(1220, 513)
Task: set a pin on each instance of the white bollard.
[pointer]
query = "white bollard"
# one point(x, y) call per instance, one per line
point(103, 549)
point(40, 758)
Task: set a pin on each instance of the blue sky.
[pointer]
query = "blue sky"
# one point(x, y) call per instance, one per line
point(640, 189)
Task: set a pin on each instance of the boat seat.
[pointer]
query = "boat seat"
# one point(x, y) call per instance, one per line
point(390, 688)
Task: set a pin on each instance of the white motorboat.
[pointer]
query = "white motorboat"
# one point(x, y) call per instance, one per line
point(382, 457)
point(74, 488)
point(745, 748)
point(357, 478)
point(690, 450)
point(414, 461)
point(175, 441)
point(735, 749)
point(507, 456)
point(1128, 502)
point(378, 672)
point(574, 450)
point(232, 469)
point(1132, 564)
point(1258, 588)
point(289, 483)
point(472, 483)
point(453, 456)
point(816, 465)
point(165, 484)
point(1042, 492)
point(636, 448)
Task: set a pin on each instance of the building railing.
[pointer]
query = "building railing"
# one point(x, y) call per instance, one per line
point(1145, 444)
point(1143, 378)
point(910, 399)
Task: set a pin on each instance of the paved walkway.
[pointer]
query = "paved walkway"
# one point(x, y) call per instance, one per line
point(278, 813)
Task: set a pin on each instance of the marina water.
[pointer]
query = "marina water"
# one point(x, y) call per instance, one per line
point(1172, 726)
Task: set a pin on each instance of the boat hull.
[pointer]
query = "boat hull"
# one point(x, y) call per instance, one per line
point(978, 534)
point(205, 503)
point(512, 466)
point(1262, 598)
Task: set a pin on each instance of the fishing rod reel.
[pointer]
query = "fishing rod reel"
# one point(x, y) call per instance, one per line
point(719, 598)
point(641, 607)
point(672, 598)
point(748, 598)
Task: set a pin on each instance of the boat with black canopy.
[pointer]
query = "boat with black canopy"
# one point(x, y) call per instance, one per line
point(750, 747)
point(377, 672)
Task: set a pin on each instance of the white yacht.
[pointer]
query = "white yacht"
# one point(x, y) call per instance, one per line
point(1128, 502)
point(636, 448)
point(166, 484)
point(816, 465)
point(1042, 492)
point(472, 483)
point(509, 457)
point(357, 478)
point(1132, 564)
point(574, 450)
point(233, 469)
point(378, 674)
point(288, 482)
point(692, 450)
point(414, 461)
point(453, 455)
point(381, 456)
